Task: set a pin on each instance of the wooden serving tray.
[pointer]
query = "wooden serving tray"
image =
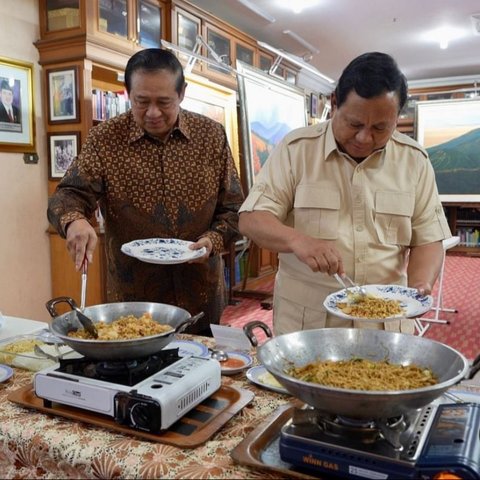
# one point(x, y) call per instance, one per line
point(260, 448)
point(192, 430)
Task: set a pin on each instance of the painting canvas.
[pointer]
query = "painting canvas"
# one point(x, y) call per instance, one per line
point(269, 110)
point(216, 102)
point(450, 131)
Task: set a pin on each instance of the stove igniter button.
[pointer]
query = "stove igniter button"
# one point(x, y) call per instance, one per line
point(138, 411)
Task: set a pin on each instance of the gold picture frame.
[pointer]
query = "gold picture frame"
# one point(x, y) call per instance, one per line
point(17, 118)
point(216, 102)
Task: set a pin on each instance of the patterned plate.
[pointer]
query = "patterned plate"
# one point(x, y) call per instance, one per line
point(164, 251)
point(260, 376)
point(5, 373)
point(412, 303)
point(187, 348)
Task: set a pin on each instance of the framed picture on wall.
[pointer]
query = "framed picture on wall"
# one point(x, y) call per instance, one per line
point(450, 132)
point(216, 102)
point(16, 106)
point(269, 109)
point(62, 149)
point(63, 97)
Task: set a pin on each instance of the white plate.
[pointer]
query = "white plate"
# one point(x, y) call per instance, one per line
point(163, 251)
point(5, 373)
point(412, 303)
point(246, 360)
point(256, 374)
point(187, 348)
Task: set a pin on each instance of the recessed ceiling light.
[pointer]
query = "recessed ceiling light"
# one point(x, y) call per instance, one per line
point(444, 35)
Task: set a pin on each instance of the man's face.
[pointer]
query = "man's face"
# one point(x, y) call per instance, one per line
point(363, 125)
point(7, 96)
point(155, 102)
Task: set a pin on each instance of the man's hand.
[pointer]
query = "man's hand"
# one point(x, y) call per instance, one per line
point(203, 242)
point(81, 242)
point(319, 255)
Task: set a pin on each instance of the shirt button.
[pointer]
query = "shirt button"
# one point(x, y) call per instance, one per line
point(359, 228)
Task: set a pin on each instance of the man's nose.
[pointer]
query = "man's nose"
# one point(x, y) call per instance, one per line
point(364, 135)
point(153, 110)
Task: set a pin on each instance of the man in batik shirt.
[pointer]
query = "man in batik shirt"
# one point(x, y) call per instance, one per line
point(157, 171)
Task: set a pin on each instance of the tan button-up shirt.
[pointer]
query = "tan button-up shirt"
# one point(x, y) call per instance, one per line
point(374, 211)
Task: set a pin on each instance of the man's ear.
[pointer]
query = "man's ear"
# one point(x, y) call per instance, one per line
point(182, 94)
point(333, 100)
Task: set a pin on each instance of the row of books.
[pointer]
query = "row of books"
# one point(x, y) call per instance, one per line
point(106, 105)
point(240, 266)
point(469, 237)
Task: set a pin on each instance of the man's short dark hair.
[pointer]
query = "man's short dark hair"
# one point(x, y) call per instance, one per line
point(370, 75)
point(5, 86)
point(151, 60)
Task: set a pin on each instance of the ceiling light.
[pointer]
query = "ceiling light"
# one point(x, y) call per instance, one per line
point(444, 35)
point(256, 9)
point(298, 61)
point(297, 6)
point(302, 41)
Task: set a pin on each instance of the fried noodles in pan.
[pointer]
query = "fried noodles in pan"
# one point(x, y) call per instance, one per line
point(124, 328)
point(370, 306)
point(361, 374)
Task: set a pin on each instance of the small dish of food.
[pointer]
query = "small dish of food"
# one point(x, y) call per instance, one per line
point(381, 303)
point(235, 363)
point(262, 377)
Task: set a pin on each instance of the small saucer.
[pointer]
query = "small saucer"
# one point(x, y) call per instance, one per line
point(236, 363)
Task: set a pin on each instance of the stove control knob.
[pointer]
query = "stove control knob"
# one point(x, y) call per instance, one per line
point(138, 411)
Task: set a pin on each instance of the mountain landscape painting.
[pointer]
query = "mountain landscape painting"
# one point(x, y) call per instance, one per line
point(450, 132)
point(270, 109)
point(457, 164)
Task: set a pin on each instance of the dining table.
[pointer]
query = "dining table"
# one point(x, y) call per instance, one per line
point(37, 445)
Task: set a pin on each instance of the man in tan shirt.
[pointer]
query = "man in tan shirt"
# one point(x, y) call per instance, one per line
point(351, 195)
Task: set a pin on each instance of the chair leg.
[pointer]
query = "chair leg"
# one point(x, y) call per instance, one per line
point(439, 304)
point(420, 327)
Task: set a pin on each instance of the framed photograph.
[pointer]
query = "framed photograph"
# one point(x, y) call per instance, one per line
point(314, 105)
point(63, 106)
point(269, 109)
point(62, 149)
point(450, 131)
point(17, 119)
point(216, 102)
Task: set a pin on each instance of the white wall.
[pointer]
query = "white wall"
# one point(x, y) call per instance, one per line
point(25, 283)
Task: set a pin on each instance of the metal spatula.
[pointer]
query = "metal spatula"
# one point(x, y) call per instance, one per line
point(84, 320)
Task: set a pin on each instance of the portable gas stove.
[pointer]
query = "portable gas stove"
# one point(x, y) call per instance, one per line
point(437, 439)
point(148, 394)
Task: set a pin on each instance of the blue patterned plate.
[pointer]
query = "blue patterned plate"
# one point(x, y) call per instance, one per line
point(187, 348)
point(412, 303)
point(163, 251)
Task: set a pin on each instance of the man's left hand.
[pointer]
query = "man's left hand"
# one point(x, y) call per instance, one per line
point(203, 242)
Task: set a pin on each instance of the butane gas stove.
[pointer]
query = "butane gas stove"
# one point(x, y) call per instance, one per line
point(148, 394)
point(437, 439)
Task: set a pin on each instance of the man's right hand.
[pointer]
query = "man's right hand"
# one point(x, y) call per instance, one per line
point(81, 241)
point(319, 255)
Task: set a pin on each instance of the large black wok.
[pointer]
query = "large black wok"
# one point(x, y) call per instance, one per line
point(162, 313)
point(300, 348)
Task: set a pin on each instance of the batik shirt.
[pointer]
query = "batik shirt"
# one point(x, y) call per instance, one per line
point(184, 187)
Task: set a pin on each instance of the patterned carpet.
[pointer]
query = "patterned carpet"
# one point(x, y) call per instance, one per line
point(461, 290)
